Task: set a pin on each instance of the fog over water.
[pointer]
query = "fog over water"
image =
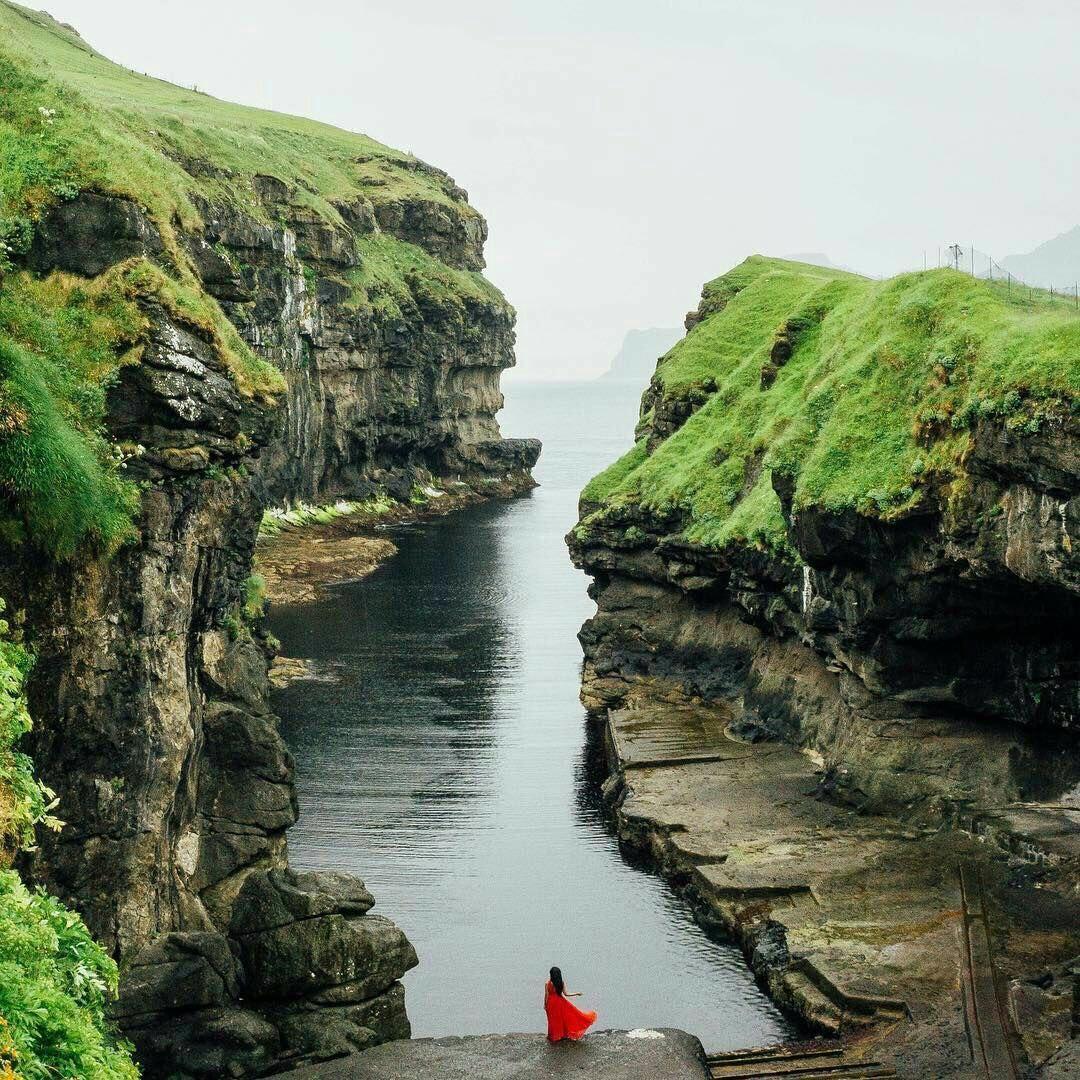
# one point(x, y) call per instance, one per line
point(625, 151)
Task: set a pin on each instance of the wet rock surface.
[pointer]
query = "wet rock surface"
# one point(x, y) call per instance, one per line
point(851, 920)
point(665, 1054)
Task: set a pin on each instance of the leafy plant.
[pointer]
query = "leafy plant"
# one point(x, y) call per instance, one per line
point(55, 980)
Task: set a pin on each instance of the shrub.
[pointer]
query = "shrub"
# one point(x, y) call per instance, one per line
point(55, 980)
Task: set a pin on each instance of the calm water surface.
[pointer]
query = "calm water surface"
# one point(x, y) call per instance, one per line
point(446, 764)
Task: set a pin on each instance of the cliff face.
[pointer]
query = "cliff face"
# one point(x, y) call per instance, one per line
point(243, 309)
point(174, 782)
point(388, 376)
point(922, 639)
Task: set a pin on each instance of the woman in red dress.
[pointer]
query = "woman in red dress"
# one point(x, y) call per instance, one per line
point(565, 1020)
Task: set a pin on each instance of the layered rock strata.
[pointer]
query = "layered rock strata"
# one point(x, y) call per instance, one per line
point(925, 663)
point(151, 687)
point(376, 396)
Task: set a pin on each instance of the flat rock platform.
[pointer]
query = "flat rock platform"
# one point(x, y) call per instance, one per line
point(646, 1054)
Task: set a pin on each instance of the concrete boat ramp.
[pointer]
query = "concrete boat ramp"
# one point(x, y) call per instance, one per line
point(935, 949)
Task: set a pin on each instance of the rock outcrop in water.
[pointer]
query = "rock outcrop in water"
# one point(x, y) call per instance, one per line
point(360, 287)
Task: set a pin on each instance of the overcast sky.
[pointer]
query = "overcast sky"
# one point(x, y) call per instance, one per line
point(625, 151)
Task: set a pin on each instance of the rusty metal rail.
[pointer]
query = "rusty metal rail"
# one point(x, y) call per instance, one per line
point(985, 1015)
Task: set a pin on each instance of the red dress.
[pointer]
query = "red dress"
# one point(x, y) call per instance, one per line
point(565, 1019)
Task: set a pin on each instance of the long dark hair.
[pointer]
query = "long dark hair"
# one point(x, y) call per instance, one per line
point(556, 981)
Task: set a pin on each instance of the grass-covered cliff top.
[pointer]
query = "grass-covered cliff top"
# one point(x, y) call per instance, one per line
point(73, 121)
point(884, 382)
point(160, 143)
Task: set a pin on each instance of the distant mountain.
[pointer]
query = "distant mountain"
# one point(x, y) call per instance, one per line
point(636, 360)
point(1057, 262)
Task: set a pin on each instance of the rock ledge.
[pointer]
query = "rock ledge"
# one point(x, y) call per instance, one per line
point(666, 1054)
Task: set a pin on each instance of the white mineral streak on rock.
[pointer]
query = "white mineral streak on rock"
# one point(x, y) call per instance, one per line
point(644, 1033)
point(807, 589)
point(187, 852)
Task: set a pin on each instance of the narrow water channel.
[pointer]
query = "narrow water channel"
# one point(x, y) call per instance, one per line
point(444, 760)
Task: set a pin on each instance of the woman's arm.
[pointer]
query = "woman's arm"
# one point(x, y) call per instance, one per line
point(566, 993)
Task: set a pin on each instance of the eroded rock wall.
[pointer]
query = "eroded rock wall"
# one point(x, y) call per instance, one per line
point(930, 660)
point(376, 394)
point(150, 688)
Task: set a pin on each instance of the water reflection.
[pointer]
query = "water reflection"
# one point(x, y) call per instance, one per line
point(449, 767)
point(408, 723)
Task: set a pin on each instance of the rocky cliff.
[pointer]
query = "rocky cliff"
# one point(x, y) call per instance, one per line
point(850, 525)
point(204, 309)
point(853, 511)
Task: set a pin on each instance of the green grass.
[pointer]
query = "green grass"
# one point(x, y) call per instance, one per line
point(60, 345)
point(71, 120)
point(875, 404)
point(605, 484)
point(393, 277)
point(137, 133)
point(276, 520)
point(55, 980)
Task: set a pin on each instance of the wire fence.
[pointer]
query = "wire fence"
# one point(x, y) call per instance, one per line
point(969, 260)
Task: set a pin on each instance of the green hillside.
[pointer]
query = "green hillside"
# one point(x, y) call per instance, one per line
point(120, 131)
point(876, 402)
point(72, 121)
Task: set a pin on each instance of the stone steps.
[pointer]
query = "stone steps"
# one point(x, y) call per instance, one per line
point(819, 1063)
